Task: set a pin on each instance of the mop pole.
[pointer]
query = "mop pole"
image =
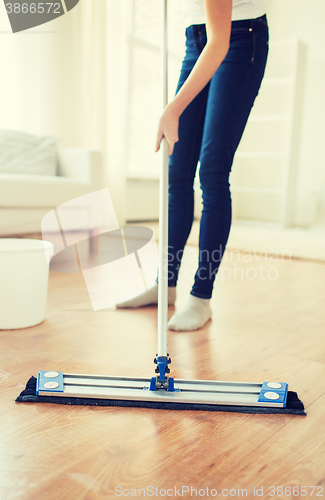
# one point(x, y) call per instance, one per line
point(163, 222)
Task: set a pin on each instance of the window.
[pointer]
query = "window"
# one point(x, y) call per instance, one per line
point(145, 80)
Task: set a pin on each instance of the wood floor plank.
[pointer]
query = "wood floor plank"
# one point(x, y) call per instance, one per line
point(294, 456)
point(261, 330)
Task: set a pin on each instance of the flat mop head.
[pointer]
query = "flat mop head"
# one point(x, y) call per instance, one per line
point(95, 390)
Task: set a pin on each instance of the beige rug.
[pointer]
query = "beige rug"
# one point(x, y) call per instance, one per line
point(306, 244)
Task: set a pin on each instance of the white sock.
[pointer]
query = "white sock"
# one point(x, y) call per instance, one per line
point(193, 316)
point(148, 298)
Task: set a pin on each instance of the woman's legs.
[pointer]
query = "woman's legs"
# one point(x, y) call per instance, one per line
point(231, 96)
point(232, 93)
point(219, 114)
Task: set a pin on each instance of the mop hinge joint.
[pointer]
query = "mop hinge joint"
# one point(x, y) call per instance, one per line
point(167, 384)
point(162, 381)
point(162, 368)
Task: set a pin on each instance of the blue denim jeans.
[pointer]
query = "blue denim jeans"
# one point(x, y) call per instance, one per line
point(210, 129)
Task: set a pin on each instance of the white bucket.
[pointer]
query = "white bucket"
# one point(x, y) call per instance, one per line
point(24, 274)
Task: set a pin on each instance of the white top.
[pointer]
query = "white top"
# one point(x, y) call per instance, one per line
point(194, 12)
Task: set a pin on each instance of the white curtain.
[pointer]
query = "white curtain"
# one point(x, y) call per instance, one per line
point(118, 22)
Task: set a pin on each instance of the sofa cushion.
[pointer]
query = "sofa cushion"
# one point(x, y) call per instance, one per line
point(23, 153)
point(39, 190)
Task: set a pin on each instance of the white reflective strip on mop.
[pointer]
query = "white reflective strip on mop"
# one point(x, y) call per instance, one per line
point(140, 383)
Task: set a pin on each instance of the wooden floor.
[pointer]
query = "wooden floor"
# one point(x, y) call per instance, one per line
point(263, 328)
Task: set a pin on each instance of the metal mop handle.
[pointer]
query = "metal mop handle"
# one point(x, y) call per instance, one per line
point(163, 212)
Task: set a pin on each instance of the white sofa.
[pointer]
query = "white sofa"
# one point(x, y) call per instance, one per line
point(26, 199)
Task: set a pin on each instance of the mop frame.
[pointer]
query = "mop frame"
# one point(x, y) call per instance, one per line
point(203, 392)
point(162, 388)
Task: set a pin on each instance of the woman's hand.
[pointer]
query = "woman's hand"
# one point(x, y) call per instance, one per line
point(168, 128)
point(218, 26)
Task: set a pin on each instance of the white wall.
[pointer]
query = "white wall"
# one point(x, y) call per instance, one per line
point(304, 20)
